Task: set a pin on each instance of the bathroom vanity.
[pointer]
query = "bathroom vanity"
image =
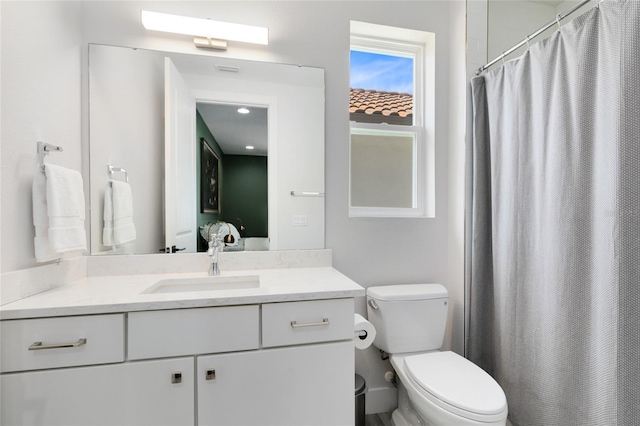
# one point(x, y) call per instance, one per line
point(141, 349)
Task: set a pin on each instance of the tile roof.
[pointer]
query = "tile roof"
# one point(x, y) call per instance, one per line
point(381, 104)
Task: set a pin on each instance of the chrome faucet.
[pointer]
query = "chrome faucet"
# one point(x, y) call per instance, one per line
point(214, 243)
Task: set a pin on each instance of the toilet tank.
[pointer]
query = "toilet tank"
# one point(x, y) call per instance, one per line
point(408, 317)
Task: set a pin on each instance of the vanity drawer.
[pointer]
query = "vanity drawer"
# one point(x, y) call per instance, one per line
point(296, 323)
point(177, 332)
point(36, 344)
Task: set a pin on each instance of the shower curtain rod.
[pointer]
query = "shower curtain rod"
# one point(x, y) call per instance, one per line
point(527, 39)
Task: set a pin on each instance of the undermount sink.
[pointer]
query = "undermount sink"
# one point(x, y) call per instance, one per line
point(212, 283)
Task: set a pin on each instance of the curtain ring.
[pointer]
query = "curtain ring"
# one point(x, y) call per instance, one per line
point(528, 40)
point(558, 19)
point(502, 57)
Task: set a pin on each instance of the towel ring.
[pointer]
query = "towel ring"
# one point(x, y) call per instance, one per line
point(45, 149)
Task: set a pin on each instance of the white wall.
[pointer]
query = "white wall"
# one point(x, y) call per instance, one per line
point(127, 87)
point(44, 104)
point(40, 89)
point(511, 21)
point(568, 4)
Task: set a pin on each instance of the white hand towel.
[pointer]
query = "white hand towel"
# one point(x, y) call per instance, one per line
point(118, 214)
point(107, 230)
point(58, 212)
point(41, 218)
point(65, 208)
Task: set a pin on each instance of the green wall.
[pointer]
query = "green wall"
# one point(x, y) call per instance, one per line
point(244, 193)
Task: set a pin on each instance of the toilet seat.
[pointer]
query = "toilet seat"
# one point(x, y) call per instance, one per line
point(457, 385)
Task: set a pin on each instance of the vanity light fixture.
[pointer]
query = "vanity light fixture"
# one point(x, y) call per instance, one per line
point(249, 147)
point(207, 33)
point(243, 110)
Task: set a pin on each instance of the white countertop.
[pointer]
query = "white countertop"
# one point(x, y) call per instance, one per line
point(125, 293)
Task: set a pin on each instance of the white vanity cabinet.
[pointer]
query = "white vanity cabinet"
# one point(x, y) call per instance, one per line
point(287, 363)
point(136, 393)
point(306, 380)
point(294, 386)
point(95, 386)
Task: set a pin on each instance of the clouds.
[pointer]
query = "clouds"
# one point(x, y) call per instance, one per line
point(376, 71)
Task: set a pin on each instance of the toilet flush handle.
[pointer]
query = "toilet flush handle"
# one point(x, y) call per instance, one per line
point(373, 304)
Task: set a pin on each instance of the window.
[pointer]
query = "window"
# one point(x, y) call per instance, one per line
point(391, 116)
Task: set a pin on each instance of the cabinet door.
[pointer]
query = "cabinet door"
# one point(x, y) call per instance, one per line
point(138, 393)
point(301, 385)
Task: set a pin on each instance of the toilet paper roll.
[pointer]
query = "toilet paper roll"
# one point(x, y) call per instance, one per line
point(364, 331)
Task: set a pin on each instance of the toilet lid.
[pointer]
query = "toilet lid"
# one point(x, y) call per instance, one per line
point(457, 381)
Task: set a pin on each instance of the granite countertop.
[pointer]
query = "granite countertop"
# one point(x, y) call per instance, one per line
point(125, 293)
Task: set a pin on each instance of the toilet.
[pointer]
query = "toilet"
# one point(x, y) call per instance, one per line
point(434, 388)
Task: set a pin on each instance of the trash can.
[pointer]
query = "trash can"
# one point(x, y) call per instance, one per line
point(360, 391)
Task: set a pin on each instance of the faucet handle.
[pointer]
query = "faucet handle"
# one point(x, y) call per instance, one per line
point(214, 239)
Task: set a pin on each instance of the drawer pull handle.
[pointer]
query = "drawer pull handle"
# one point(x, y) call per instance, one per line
point(38, 346)
point(325, 321)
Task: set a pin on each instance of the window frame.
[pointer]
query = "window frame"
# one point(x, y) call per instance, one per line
point(420, 46)
point(403, 49)
point(418, 172)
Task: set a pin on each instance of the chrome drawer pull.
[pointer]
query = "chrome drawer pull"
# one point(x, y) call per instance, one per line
point(38, 346)
point(325, 321)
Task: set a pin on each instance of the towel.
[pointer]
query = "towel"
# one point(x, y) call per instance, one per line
point(58, 212)
point(41, 218)
point(222, 230)
point(118, 214)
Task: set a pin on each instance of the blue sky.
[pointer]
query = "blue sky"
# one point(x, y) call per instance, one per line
point(381, 72)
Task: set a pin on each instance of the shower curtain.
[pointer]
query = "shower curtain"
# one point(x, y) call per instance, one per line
point(553, 224)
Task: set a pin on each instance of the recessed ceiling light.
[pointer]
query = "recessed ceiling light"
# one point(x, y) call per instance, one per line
point(249, 147)
point(243, 110)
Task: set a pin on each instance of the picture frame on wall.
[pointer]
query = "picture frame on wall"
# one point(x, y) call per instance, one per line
point(209, 179)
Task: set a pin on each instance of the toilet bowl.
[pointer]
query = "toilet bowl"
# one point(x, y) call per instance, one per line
point(447, 389)
point(435, 388)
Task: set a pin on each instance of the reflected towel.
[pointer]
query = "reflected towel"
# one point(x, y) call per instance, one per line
point(58, 212)
point(118, 214)
point(227, 228)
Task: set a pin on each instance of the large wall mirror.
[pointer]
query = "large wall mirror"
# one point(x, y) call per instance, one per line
point(177, 128)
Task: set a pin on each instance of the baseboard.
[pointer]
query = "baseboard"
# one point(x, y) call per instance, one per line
point(381, 400)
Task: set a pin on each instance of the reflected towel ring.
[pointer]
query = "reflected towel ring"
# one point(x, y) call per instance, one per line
point(111, 170)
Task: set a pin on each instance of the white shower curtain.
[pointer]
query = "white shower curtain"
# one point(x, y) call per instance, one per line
point(553, 224)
